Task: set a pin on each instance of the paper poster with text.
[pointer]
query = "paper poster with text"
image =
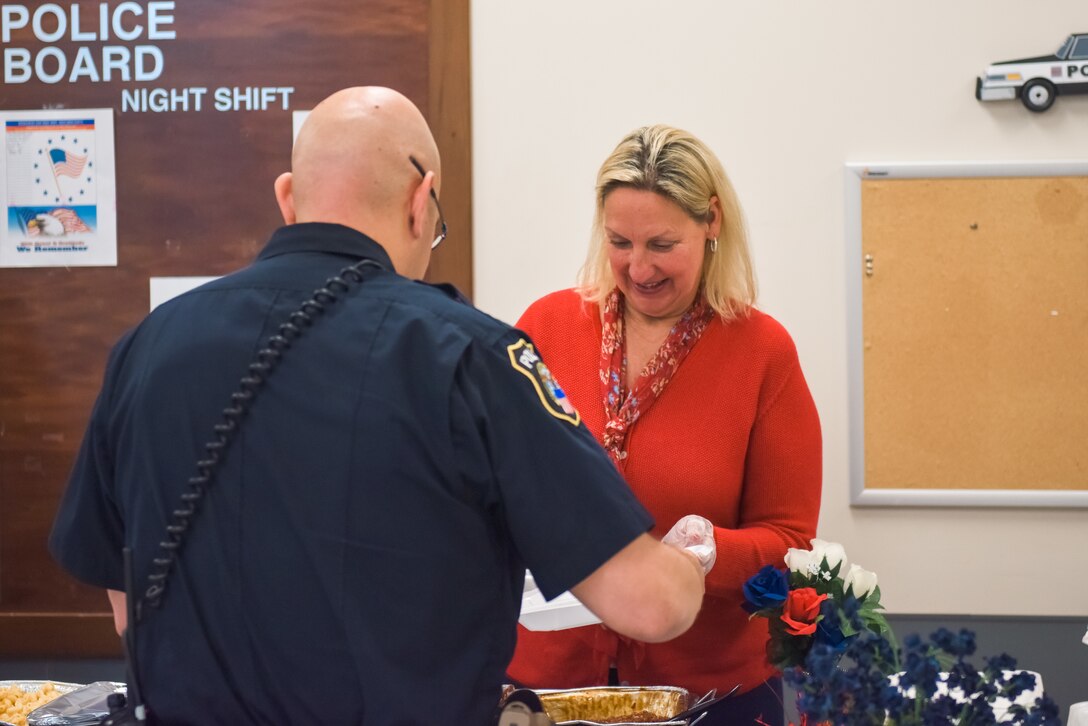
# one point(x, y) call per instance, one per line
point(59, 189)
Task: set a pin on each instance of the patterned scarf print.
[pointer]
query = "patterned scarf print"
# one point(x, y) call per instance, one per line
point(623, 407)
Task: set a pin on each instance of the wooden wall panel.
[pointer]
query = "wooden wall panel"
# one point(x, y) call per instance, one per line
point(450, 117)
point(194, 192)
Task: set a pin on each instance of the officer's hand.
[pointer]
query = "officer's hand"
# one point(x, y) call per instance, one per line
point(696, 535)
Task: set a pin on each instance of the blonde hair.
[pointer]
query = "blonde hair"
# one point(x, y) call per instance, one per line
point(681, 168)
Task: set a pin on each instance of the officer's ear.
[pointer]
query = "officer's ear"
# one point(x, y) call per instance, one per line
point(285, 197)
point(418, 206)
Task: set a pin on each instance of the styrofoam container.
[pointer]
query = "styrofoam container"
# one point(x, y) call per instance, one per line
point(560, 613)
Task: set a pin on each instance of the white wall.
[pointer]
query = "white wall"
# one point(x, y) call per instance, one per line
point(786, 92)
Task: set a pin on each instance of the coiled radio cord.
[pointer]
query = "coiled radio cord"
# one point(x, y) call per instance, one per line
point(224, 432)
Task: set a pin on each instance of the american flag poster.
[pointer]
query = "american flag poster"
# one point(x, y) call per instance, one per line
point(59, 189)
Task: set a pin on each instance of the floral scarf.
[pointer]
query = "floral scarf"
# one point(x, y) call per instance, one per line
point(621, 406)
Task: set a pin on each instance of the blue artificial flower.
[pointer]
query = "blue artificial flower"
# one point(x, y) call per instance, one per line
point(818, 706)
point(767, 589)
point(1019, 682)
point(963, 676)
point(922, 672)
point(821, 661)
point(894, 701)
point(941, 710)
point(829, 628)
point(851, 607)
point(1003, 662)
point(955, 644)
point(1044, 713)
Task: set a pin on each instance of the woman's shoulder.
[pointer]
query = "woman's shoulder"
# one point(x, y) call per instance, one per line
point(559, 306)
point(758, 331)
point(560, 299)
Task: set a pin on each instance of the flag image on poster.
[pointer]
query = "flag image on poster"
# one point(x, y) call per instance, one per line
point(59, 189)
point(68, 164)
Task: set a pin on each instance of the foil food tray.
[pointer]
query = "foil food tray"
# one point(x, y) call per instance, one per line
point(616, 705)
point(34, 686)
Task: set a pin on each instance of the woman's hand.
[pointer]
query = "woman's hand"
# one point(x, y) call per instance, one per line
point(696, 535)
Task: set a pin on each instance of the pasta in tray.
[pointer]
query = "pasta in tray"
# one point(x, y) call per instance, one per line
point(17, 701)
point(609, 705)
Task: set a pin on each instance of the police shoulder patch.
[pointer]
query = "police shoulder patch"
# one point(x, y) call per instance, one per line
point(526, 361)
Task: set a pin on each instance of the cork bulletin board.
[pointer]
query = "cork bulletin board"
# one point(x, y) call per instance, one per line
point(202, 95)
point(968, 291)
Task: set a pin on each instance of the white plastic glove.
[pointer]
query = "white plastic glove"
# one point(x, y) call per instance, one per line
point(696, 535)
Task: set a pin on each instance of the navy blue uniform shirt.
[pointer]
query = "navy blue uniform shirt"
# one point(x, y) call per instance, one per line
point(360, 557)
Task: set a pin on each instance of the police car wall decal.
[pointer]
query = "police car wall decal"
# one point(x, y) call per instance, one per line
point(1038, 81)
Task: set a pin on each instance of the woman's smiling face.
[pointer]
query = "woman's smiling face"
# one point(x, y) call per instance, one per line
point(656, 251)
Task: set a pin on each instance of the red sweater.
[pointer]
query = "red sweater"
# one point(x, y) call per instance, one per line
point(734, 437)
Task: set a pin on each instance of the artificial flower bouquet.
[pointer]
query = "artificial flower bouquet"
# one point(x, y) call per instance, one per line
point(818, 598)
point(830, 639)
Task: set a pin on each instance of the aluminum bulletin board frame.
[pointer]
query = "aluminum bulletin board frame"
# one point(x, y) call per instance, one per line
point(860, 495)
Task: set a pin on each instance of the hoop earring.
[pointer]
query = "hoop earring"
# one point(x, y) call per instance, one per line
point(713, 244)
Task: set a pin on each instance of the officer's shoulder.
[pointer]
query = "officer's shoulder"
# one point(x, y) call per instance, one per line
point(448, 306)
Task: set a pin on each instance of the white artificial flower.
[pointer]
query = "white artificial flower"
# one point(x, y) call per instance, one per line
point(833, 552)
point(799, 561)
point(860, 580)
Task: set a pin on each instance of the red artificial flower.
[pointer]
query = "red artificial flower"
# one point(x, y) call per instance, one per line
point(801, 610)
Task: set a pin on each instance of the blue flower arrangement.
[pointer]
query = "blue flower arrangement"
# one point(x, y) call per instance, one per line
point(938, 685)
point(830, 639)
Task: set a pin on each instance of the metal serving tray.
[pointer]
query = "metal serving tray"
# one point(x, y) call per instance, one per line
point(607, 704)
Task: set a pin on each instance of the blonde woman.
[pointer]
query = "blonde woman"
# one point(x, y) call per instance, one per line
point(699, 399)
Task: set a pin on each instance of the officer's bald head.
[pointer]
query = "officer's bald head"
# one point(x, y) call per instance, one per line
point(351, 164)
